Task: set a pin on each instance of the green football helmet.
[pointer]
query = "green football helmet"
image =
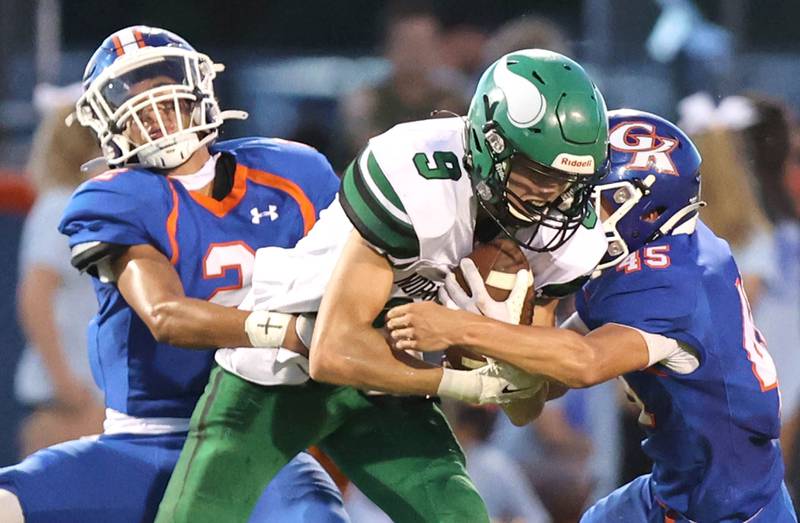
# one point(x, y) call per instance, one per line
point(539, 109)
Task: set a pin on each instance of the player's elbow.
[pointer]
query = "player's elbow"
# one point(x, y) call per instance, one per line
point(583, 368)
point(327, 359)
point(327, 364)
point(163, 322)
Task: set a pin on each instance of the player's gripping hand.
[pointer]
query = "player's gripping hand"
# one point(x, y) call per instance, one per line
point(424, 326)
point(497, 382)
point(477, 299)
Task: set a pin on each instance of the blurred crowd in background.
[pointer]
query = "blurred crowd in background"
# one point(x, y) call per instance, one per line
point(729, 86)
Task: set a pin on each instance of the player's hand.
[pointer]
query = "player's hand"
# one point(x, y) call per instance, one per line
point(477, 300)
point(516, 384)
point(522, 411)
point(496, 383)
point(423, 326)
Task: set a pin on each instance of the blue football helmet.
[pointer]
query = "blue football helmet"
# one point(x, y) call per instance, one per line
point(653, 187)
point(135, 85)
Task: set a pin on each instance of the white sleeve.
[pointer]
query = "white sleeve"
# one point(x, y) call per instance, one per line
point(576, 258)
point(677, 357)
point(293, 280)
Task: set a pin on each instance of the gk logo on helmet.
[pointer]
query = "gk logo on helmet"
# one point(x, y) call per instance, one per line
point(649, 150)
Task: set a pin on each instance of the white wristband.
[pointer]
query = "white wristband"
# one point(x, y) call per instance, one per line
point(267, 329)
point(460, 385)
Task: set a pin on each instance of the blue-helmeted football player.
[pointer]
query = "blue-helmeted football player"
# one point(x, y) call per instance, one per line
point(169, 236)
point(668, 314)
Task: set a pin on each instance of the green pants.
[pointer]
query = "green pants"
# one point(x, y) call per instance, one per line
point(400, 452)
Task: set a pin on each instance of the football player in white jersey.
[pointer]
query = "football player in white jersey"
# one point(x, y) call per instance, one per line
point(522, 164)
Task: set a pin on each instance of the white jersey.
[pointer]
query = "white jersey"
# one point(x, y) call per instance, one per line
point(413, 177)
point(409, 196)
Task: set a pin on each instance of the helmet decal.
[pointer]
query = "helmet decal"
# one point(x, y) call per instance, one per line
point(526, 103)
point(581, 164)
point(649, 150)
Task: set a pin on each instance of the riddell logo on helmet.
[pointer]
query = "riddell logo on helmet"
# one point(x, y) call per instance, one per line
point(581, 164)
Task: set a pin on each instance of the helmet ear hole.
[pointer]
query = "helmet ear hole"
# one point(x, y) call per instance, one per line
point(653, 215)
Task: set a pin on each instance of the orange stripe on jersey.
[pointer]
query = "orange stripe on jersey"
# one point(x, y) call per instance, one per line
point(220, 208)
point(117, 46)
point(172, 226)
point(139, 38)
point(290, 188)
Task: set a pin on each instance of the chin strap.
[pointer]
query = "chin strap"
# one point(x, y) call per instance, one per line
point(233, 114)
point(670, 224)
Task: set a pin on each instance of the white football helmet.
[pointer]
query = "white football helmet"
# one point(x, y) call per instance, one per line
point(149, 97)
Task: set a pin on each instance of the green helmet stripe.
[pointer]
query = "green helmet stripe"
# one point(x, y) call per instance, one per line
point(372, 221)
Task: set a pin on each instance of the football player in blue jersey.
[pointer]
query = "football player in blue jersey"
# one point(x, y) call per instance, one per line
point(169, 237)
point(668, 314)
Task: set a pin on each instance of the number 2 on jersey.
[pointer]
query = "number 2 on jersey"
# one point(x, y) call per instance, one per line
point(753, 341)
point(229, 256)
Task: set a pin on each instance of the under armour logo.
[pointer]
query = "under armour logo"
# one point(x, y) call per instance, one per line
point(271, 213)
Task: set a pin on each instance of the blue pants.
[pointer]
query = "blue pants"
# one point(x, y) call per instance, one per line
point(122, 478)
point(634, 502)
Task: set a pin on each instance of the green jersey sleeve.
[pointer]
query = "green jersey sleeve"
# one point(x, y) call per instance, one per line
point(372, 205)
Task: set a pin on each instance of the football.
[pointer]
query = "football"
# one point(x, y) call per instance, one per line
point(498, 262)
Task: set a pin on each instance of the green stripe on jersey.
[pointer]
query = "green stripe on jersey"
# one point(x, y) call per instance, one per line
point(395, 219)
point(380, 180)
point(372, 220)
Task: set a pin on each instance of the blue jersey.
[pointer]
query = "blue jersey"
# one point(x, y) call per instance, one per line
point(712, 433)
point(278, 190)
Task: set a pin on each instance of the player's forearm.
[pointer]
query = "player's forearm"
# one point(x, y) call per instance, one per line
point(197, 324)
point(361, 358)
point(560, 354)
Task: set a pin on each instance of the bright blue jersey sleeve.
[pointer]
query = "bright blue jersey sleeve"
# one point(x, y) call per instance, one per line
point(124, 206)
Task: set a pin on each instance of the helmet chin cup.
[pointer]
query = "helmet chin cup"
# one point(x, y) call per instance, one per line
point(171, 154)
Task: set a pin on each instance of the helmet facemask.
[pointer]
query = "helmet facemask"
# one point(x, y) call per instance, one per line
point(634, 219)
point(627, 195)
point(156, 105)
point(526, 198)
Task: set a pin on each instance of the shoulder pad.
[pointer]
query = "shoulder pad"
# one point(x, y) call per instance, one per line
point(95, 257)
point(255, 143)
